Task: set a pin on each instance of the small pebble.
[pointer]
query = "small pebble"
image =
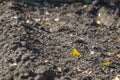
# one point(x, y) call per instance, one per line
point(12, 68)
point(71, 35)
point(46, 61)
point(85, 6)
point(56, 19)
point(26, 74)
point(47, 13)
point(29, 22)
point(37, 77)
point(36, 20)
point(14, 64)
point(98, 21)
point(110, 53)
point(23, 43)
point(59, 69)
point(99, 14)
point(92, 52)
point(15, 17)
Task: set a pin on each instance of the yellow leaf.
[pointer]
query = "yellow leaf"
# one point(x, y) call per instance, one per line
point(47, 23)
point(106, 63)
point(75, 52)
point(56, 51)
point(61, 23)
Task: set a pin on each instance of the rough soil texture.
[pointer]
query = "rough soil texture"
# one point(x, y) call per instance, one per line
point(36, 41)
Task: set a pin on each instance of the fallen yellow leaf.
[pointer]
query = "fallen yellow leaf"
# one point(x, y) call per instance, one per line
point(106, 63)
point(48, 23)
point(75, 52)
point(61, 23)
point(56, 51)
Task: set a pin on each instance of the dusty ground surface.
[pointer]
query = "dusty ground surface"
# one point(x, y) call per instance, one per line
point(36, 42)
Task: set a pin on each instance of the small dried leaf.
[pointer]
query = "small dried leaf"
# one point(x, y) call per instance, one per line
point(75, 52)
point(56, 51)
point(61, 23)
point(106, 63)
point(48, 23)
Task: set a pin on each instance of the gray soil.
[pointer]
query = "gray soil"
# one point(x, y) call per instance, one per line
point(36, 39)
